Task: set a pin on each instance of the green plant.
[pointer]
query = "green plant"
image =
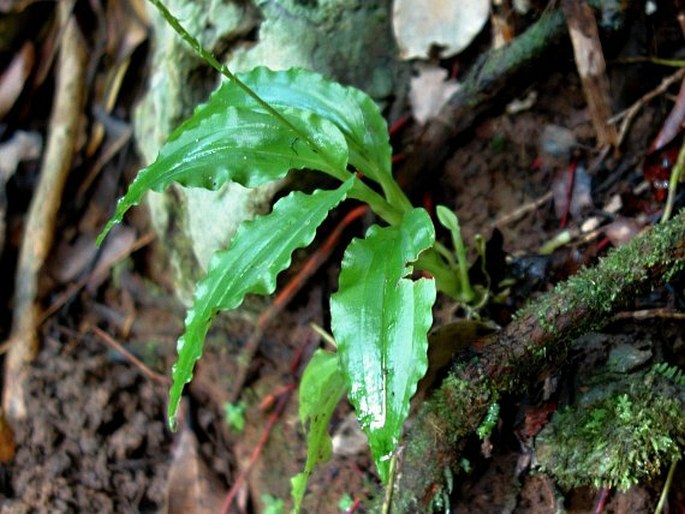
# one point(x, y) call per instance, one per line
point(619, 434)
point(273, 505)
point(255, 128)
point(345, 502)
point(234, 415)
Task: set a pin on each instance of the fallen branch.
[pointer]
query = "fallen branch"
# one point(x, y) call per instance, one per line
point(536, 340)
point(493, 81)
point(38, 235)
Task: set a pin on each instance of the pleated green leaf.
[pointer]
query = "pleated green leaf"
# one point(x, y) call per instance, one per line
point(321, 389)
point(258, 252)
point(348, 108)
point(220, 142)
point(380, 319)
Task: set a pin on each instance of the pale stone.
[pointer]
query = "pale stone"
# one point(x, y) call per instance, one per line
point(347, 40)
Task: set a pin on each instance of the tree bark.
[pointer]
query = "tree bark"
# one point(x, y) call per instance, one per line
point(536, 340)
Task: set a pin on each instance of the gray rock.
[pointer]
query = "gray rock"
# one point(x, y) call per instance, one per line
point(348, 40)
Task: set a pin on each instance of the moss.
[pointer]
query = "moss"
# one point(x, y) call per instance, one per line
point(624, 436)
point(489, 422)
point(459, 402)
point(599, 289)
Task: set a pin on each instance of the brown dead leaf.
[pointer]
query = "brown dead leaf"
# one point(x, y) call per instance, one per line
point(73, 259)
point(126, 31)
point(589, 56)
point(14, 77)
point(191, 486)
point(120, 242)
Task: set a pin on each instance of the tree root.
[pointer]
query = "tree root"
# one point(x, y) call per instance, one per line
point(536, 340)
point(496, 78)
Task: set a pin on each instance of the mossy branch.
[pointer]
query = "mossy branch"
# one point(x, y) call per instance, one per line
point(535, 340)
point(496, 78)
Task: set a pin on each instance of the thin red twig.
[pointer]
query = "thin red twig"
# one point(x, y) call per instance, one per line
point(353, 508)
point(263, 438)
point(399, 124)
point(603, 244)
point(571, 178)
point(602, 500)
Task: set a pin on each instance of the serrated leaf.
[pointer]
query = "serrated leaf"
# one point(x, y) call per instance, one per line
point(321, 389)
point(348, 108)
point(380, 319)
point(221, 142)
point(259, 251)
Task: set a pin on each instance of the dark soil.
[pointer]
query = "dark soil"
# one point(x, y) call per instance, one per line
point(95, 439)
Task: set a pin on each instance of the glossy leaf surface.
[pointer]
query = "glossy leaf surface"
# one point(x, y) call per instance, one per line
point(220, 142)
point(321, 389)
point(348, 108)
point(258, 252)
point(380, 318)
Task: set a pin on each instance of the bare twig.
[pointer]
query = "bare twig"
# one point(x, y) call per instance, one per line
point(522, 210)
point(38, 235)
point(116, 346)
point(113, 343)
point(650, 314)
point(626, 116)
point(263, 438)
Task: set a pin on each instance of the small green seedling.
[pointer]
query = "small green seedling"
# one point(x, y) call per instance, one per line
point(272, 504)
point(234, 415)
point(255, 128)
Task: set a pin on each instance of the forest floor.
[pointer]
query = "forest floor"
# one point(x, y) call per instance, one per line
point(94, 435)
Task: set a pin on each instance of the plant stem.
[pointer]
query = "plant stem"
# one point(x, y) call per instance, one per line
point(387, 501)
point(667, 487)
point(446, 254)
point(393, 192)
point(379, 205)
point(445, 277)
point(207, 56)
point(465, 288)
